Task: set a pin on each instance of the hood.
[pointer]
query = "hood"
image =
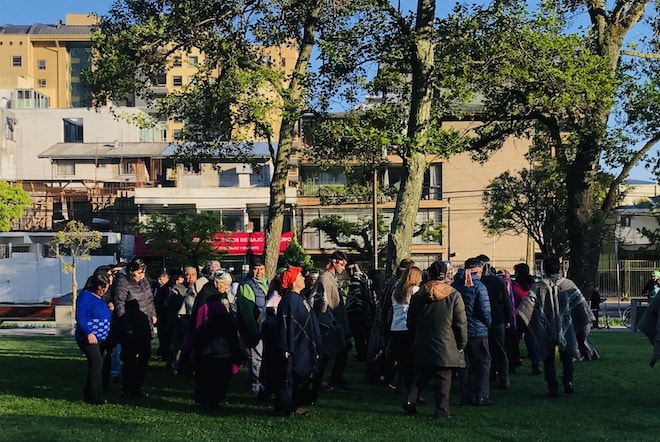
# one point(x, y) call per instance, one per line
point(437, 290)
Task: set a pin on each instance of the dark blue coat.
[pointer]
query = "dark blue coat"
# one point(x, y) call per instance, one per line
point(477, 304)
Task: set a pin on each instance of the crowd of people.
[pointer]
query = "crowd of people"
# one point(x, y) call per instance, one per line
point(294, 332)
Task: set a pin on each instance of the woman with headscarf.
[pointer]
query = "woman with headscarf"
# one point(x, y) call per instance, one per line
point(215, 340)
point(300, 345)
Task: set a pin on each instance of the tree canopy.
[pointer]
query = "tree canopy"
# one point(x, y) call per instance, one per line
point(13, 201)
point(187, 235)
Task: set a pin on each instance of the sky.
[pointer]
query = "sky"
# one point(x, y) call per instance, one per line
point(25, 12)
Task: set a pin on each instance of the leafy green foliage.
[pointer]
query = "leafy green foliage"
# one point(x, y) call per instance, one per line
point(351, 235)
point(76, 241)
point(13, 201)
point(295, 254)
point(187, 235)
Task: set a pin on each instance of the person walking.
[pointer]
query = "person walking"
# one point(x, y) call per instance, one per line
point(558, 315)
point(475, 378)
point(300, 345)
point(93, 318)
point(136, 317)
point(501, 320)
point(331, 311)
point(251, 305)
point(437, 324)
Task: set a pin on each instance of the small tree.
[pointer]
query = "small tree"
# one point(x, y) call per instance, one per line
point(295, 254)
point(188, 235)
point(13, 200)
point(75, 241)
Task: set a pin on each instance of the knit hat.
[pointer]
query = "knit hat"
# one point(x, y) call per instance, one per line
point(289, 276)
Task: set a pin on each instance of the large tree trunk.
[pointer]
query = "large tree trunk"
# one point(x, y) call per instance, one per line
point(586, 220)
point(293, 106)
point(414, 162)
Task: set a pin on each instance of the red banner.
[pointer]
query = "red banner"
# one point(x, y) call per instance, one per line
point(242, 243)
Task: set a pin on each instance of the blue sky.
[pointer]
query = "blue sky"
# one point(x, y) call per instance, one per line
point(24, 12)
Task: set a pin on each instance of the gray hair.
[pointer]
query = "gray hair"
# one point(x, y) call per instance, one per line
point(222, 276)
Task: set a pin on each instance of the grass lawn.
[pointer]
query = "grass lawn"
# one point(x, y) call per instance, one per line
point(41, 381)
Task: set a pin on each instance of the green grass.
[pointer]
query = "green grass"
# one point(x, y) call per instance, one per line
point(41, 380)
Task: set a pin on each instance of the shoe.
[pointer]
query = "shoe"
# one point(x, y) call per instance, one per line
point(483, 402)
point(300, 411)
point(568, 388)
point(327, 387)
point(421, 400)
point(409, 407)
point(443, 415)
point(504, 384)
point(536, 371)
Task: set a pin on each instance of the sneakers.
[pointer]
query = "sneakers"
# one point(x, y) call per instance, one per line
point(568, 388)
point(409, 407)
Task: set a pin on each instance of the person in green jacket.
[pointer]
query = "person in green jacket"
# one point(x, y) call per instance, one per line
point(251, 304)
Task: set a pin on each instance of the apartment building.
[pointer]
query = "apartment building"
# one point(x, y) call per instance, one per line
point(45, 60)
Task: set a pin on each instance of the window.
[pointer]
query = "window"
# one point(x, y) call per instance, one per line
point(193, 60)
point(283, 62)
point(73, 130)
point(41, 64)
point(177, 80)
point(625, 220)
point(177, 134)
point(41, 82)
point(17, 61)
point(9, 128)
point(177, 61)
point(66, 167)
point(126, 168)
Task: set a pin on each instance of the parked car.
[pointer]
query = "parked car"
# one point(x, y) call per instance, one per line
point(62, 300)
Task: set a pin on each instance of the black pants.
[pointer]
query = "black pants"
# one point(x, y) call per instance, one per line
point(95, 354)
point(500, 360)
point(401, 354)
point(134, 359)
point(475, 378)
point(212, 377)
point(442, 387)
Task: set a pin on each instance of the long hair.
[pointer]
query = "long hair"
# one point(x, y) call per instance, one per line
point(410, 278)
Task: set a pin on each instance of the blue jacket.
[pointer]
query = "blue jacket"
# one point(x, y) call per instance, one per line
point(477, 304)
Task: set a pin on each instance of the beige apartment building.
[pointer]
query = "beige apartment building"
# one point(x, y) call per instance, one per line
point(45, 60)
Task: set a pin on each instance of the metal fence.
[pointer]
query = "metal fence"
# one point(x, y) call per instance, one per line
point(632, 277)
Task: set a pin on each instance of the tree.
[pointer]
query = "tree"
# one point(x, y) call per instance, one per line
point(13, 201)
point(75, 241)
point(189, 236)
point(351, 235)
point(235, 88)
point(592, 92)
point(295, 254)
point(530, 202)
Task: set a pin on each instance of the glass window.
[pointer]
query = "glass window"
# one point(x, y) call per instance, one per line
point(177, 80)
point(41, 64)
point(73, 130)
point(41, 82)
point(17, 61)
point(66, 167)
point(193, 60)
point(177, 61)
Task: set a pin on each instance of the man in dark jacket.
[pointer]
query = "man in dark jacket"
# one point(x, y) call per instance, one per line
point(502, 317)
point(475, 379)
point(438, 328)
